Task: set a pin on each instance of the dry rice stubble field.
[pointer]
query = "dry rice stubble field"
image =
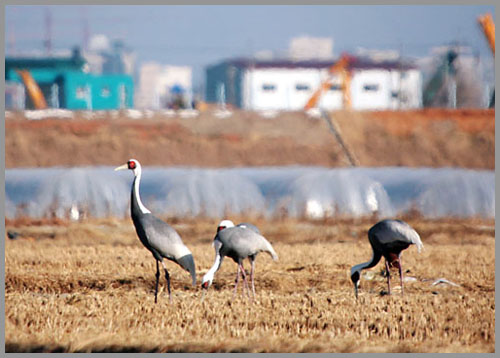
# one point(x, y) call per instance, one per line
point(89, 287)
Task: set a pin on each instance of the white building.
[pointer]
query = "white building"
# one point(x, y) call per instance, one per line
point(160, 84)
point(307, 47)
point(254, 84)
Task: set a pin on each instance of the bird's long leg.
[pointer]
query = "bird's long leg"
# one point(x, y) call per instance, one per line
point(401, 273)
point(167, 276)
point(245, 282)
point(243, 274)
point(236, 281)
point(388, 277)
point(157, 280)
point(252, 272)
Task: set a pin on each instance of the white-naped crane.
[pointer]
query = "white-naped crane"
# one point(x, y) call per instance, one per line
point(387, 238)
point(237, 242)
point(156, 235)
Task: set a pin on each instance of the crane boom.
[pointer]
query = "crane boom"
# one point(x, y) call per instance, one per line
point(339, 67)
point(488, 27)
point(34, 90)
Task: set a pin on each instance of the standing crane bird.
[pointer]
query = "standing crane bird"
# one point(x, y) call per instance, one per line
point(156, 235)
point(387, 238)
point(237, 242)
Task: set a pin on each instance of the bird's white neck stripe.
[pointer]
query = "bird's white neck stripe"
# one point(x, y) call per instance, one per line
point(144, 210)
point(209, 276)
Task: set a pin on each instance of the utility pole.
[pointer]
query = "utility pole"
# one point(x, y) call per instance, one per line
point(86, 29)
point(48, 31)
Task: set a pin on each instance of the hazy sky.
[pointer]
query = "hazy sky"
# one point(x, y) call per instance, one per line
point(201, 35)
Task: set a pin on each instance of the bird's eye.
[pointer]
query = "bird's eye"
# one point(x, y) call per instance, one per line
point(220, 228)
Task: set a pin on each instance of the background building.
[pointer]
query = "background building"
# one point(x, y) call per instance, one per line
point(63, 82)
point(164, 86)
point(109, 57)
point(254, 84)
point(307, 47)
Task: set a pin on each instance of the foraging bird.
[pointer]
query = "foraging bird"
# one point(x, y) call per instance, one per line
point(237, 242)
point(387, 238)
point(13, 235)
point(157, 236)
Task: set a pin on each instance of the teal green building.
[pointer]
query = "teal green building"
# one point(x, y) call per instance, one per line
point(65, 84)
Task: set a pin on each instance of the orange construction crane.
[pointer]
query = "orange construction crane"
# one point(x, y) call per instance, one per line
point(488, 27)
point(34, 91)
point(340, 67)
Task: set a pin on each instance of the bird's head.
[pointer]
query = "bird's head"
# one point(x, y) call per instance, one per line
point(224, 224)
point(206, 282)
point(355, 276)
point(132, 164)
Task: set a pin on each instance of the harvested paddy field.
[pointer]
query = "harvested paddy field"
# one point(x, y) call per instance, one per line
point(89, 287)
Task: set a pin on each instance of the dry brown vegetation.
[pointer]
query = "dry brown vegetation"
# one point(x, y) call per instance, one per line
point(428, 137)
point(88, 287)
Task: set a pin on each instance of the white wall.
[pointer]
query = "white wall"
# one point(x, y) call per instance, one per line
point(407, 84)
point(146, 96)
point(411, 87)
point(285, 95)
point(376, 98)
point(371, 89)
point(332, 99)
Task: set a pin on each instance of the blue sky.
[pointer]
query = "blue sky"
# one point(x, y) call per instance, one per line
point(201, 35)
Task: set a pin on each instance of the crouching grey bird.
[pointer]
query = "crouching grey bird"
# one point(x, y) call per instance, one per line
point(387, 238)
point(237, 242)
point(156, 235)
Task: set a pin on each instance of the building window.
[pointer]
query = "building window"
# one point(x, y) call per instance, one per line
point(370, 88)
point(335, 87)
point(81, 92)
point(267, 87)
point(394, 94)
point(302, 87)
point(105, 92)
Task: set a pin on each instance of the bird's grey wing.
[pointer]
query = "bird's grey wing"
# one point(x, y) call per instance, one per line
point(397, 232)
point(249, 226)
point(164, 239)
point(245, 242)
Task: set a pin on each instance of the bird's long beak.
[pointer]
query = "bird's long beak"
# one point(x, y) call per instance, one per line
point(356, 289)
point(124, 166)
